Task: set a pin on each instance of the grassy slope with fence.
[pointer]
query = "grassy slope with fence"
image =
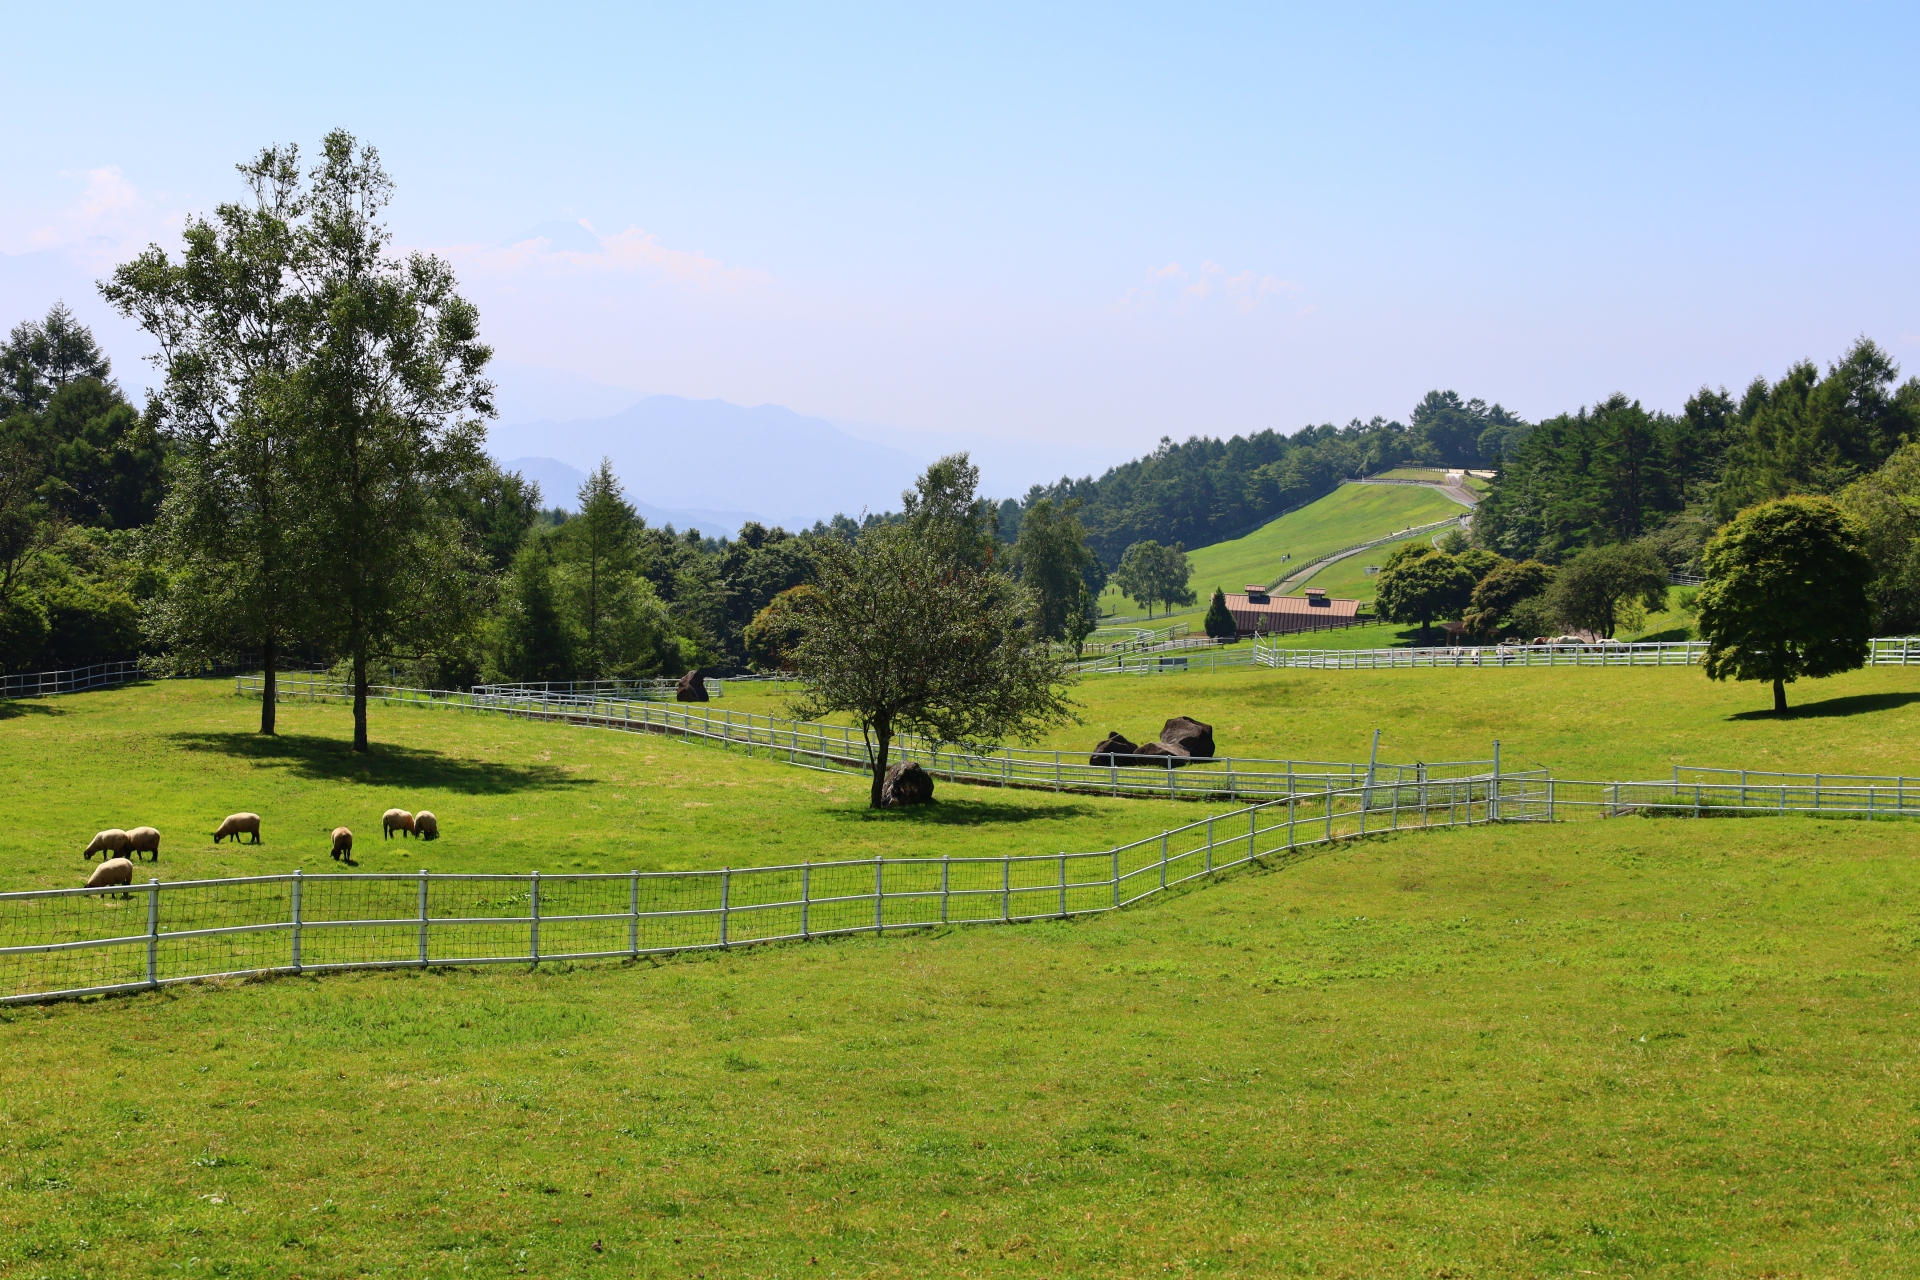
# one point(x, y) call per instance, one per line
point(1351, 514)
point(1656, 1047)
point(511, 796)
point(1595, 723)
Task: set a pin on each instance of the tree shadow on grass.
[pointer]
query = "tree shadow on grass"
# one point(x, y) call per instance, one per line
point(1852, 705)
point(328, 760)
point(945, 812)
point(14, 710)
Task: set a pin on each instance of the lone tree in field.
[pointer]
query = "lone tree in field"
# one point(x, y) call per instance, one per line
point(1786, 595)
point(1220, 624)
point(1153, 574)
point(1601, 586)
point(1419, 584)
point(906, 640)
point(234, 523)
point(392, 394)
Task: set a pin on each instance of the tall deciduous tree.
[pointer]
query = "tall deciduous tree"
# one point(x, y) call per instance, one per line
point(1153, 574)
point(947, 514)
point(1594, 589)
point(229, 323)
point(392, 394)
point(1786, 595)
point(902, 638)
point(1419, 584)
point(1052, 560)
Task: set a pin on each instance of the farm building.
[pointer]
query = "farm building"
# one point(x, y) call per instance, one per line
point(1256, 613)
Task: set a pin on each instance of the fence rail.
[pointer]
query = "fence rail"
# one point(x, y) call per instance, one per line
point(71, 942)
point(102, 675)
point(842, 747)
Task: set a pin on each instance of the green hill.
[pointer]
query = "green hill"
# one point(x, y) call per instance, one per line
point(1350, 514)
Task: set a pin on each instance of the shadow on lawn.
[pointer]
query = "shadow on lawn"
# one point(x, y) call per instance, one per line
point(328, 760)
point(948, 812)
point(1853, 705)
point(14, 710)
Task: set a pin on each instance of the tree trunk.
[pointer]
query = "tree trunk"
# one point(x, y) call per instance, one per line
point(884, 731)
point(1779, 696)
point(359, 641)
point(269, 687)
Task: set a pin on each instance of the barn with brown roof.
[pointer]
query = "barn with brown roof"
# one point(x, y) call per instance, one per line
point(1257, 613)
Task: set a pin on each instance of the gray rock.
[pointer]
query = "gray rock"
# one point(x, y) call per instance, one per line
point(1114, 749)
point(906, 784)
point(1190, 736)
point(693, 688)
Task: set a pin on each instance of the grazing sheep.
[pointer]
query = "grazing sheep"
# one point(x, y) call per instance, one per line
point(144, 840)
point(111, 871)
point(426, 826)
point(343, 843)
point(113, 840)
point(236, 825)
point(396, 818)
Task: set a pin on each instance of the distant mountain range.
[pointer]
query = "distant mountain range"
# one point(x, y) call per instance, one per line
point(710, 463)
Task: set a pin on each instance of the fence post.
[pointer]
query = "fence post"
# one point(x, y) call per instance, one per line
point(633, 913)
point(153, 931)
point(296, 920)
point(1115, 853)
point(1329, 802)
point(1163, 859)
point(726, 888)
point(1006, 889)
point(879, 898)
point(423, 917)
point(806, 899)
point(1493, 800)
point(1063, 884)
point(533, 917)
point(945, 866)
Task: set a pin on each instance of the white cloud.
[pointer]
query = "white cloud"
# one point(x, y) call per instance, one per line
point(1210, 285)
point(633, 253)
point(110, 221)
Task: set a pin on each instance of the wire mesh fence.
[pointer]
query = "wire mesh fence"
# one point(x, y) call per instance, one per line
point(67, 942)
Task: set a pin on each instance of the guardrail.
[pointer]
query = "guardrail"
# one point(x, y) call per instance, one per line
point(102, 675)
point(72, 942)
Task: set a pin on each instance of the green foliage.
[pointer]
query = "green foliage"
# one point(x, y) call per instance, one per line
point(1220, 624)
point(598, 545)
point(948, 516)
point(774, 634)
point(1153, 574)
point(1886, 507)
point(1051, 559)
point(1419, 584)
point(532, 638)
point(1809, 434)
point(1494, 609)
point(1787, 595)
point(1597, 589)
point(904, 639)
point(498, 509)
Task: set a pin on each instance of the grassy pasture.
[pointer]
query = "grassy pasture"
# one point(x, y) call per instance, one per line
point(1611, 724)
point(1631, 1048)
point(511, 796)
point(1350, 514)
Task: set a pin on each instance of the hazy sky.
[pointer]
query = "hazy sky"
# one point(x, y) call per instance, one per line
point(1079, 228)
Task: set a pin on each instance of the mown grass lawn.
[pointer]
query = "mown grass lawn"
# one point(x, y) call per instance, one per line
point(1605, 723)
point(511, 795)
point(1637, 1048)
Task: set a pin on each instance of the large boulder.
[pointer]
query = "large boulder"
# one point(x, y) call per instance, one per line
point(693, 688)
point(1190, 736)
point(906, 784)
point(1164, 755)
point(1115, 748)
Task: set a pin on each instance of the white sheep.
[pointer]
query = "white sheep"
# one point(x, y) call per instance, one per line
point(111, 871)
point(426, 826)
point(343, 843)
point(236, 825)
point(144, 840)
point(394, 819)
point(113, 840)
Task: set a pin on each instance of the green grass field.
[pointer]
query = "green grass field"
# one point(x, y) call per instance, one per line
point(1631, 1048)
point(1349, 580)
point(1351, 514)
point(511, 796)
point(1610, 724)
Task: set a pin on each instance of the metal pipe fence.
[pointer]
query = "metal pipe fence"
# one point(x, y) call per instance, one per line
point(841, 748)
point(101, 675)
point(73, 942)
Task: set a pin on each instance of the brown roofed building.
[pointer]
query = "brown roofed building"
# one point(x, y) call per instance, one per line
point(1257, 613)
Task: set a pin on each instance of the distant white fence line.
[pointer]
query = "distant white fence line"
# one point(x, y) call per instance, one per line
point(102, 675)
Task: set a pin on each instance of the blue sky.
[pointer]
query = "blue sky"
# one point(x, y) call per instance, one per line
point(1070, 230)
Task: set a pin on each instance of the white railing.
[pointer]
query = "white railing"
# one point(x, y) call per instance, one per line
point(1678, 653)
point(71, 942)
point(1894, 651)
point(102, 675)
point(650, 690)
point(841, 748)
